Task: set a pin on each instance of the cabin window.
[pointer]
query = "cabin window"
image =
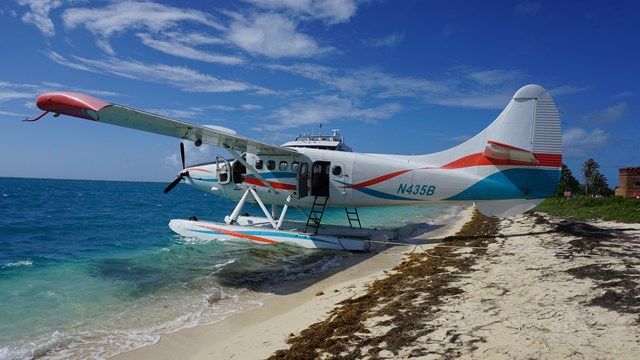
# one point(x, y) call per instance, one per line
point(283, 166)
point(259, 164)
point(271, 165)
point(294, 166)
point(337, 170)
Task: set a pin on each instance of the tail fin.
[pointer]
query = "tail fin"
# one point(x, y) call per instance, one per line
point(517, 160)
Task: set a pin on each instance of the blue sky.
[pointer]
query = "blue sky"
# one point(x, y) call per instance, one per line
point(406, 77)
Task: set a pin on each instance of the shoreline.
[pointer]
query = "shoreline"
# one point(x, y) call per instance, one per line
point(259, 332)
point(557, 288)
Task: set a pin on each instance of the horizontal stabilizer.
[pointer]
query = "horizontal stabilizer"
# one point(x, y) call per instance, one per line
point(498, 151)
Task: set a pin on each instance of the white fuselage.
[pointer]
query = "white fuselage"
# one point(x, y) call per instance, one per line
point(349, 179)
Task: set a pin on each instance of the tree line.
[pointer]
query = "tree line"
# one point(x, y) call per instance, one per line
point(595, 183)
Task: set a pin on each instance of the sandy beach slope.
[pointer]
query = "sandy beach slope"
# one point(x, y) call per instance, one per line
point(258, 333)
point(524, 287)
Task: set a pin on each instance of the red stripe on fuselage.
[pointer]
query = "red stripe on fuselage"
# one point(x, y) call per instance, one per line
point(198, 169)
point(377, 180)
point(277, 185)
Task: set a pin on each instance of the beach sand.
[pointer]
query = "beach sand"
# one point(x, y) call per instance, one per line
point(546, 289)
point(542, 288)
point(258, 333)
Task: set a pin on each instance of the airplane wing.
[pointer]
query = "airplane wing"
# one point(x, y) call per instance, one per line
point(89, 108)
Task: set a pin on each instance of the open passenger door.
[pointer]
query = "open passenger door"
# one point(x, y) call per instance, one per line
point(303, 180)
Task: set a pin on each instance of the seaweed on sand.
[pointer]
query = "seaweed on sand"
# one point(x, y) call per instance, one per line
point(400, 305)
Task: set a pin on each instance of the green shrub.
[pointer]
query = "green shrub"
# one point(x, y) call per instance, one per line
point(589, 208)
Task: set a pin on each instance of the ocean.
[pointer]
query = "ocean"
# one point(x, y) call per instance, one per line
point(90, 269)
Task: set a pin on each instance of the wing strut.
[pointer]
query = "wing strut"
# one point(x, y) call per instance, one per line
point(250, 168)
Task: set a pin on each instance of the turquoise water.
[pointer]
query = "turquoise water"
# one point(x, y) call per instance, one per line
point(91, 269)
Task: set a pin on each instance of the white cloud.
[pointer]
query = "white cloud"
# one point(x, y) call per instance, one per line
point(495, 77)
point(335, 11)
point(242, 107)
point(9, 113)
point(567, 90)
point(609, 115)
point(7, 95)
point(387, 41)
point(324, 109)
point(330, 11)
point(11, 91)
point(365, 81)
point(578, 142)
point(52, 55)
point(132, 15)
point(124, 15)
point(483, 99)
point(195, 38)
point(39, 14)
point(180, 77)
point(176, 47)
point(489, 89)
point(272, 35)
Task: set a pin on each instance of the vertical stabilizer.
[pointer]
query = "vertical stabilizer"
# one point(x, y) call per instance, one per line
point(517, 160)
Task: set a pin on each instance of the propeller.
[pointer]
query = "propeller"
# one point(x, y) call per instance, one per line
point(182, 174)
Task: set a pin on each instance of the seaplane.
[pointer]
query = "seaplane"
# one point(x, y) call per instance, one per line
point(506, 169)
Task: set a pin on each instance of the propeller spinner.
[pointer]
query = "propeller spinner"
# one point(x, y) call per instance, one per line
point(184, 173)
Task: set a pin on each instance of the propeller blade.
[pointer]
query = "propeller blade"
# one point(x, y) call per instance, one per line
point(182, 153)
point(173, 184)
point(182, 174)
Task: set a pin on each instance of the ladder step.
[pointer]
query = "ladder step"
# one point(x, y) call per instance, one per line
point(315, 215)
point(353, 217)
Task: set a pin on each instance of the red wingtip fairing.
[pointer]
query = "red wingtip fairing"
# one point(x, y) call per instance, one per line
point(72, 104)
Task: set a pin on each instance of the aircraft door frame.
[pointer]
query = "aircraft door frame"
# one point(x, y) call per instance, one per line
point(223, 171)
point(303, 179)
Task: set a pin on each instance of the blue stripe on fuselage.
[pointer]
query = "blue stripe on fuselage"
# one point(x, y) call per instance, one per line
point(513, 184)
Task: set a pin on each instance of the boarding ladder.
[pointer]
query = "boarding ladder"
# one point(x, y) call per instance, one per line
point(315, 216)
point(353, 217)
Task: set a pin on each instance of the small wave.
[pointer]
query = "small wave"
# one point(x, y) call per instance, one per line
point(18, 263)
point(34, 348)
